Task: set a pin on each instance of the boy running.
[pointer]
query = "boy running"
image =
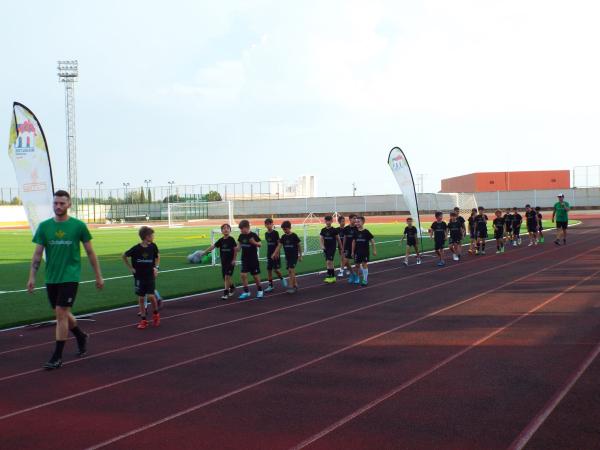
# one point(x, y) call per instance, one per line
point(293, 253)
point(249, 243)
point(145, 260)
point(330, 241)
point(456, 235)
point(540, 226)
point(532, 225)
point(349, 233)
point(472, 233)
point(481, 231)
point(60, 237)
point(411, 234)
point(360, 249)
point(228, 255)
point(517, 222)
point(499, 226)
point(438, 231)
point(273, 265)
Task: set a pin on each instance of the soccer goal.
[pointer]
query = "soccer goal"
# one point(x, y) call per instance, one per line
point(194, 213)
point(465, 202)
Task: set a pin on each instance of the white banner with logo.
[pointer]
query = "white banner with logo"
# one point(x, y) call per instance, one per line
point(401, 170)
point(28, 151)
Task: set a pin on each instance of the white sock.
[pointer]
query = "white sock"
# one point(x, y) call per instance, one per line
point(365, 274)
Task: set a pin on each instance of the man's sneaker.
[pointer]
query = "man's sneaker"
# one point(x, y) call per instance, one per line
point(82, 345)
point(244, 296)
point(225, 297)
point(260, 295)
point(418, 260)
point(557, 242)
point(284, 283)
point(53, 364)
point(292, 290)
point(269, 289)
point(156, 319)
point(143, 324)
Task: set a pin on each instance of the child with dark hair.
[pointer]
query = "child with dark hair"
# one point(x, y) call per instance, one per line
point(532, 225)
point(540, 226)
point(499, 226)
point(248, 244)
point(144, 265)
point(349, 234)
point(360, 249)
point(273, 265)
point(292, 251)
point(481, 231)
point(228, 254)
point(342, 224)
point(455, 227)
point(517, 223)
point(438, 231)
point(330, 240)
point(472, 231)
point(508, 225)
point(411, 234)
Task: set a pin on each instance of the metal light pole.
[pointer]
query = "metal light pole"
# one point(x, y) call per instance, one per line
point(171, 183)
point(147, 183)
point(126, 185)
point(99, 184)
point(68, 73)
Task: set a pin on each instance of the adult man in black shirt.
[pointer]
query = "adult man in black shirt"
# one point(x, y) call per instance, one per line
point(145, 260)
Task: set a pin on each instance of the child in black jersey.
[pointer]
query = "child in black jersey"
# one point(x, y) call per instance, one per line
point(273, 265)
point(532, 225)
point(360, 249)
point(248, 244)
point(540, 226)
point(411, 234)
point(439, 231)
point(292, 251)
point(517, 223)
point(330, 241)
point(481, 231)
point(499, 226)
point(349, 234)
point(472, 234)
point(455, 227)
point(227, 254)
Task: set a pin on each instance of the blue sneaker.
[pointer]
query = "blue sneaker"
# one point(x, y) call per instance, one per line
point(284, 283)
point(351, 278)
point(441, 264)
point(269, 289)
point(356, 279)
point(260, 295)
point(244, 296)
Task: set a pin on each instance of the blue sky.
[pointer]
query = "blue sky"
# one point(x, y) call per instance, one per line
point(208, 92)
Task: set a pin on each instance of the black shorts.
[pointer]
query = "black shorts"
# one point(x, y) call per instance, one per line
point(509, 229)
point(482, 233)
point(227, 268)
point(273, 264)
point(251, 267)
point(516, 230)
point(62, 294)
point(531, 227)
point(411, 242)
point(562, 225)
point(329, 254)
point(498, 234)
point(144, 286)
point(456, 238)
point(472, 234)
point(440, 244)
point(291, 261)
point(360, 259)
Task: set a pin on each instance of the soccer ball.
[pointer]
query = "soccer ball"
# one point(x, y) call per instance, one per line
point(196, 257)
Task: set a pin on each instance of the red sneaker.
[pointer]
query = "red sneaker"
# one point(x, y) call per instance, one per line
point(143, 324)
point(156, 319)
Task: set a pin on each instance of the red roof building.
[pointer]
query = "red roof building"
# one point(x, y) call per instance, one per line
point(508, 181)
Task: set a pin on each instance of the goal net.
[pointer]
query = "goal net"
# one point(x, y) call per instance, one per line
point(465, 202)
point(194, 213)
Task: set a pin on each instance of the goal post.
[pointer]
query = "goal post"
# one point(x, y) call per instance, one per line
point(465, 202)
point(188, 213)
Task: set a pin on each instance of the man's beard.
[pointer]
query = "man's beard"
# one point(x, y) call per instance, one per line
point(61, 213)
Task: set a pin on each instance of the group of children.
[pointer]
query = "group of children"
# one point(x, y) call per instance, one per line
point(353, 241)
point(507, 229)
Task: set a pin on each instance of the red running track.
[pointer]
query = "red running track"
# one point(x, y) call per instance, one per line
point(497, 351)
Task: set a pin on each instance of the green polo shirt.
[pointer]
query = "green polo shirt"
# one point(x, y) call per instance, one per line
point(562, 215)
point(62, 242)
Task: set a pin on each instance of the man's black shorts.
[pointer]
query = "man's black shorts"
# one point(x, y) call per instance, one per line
point(227, 269)
point(360, 259)
point(531, 227)
point(291, 262)
point(562, 225)
point(482, 233)
point(273, 264)
point(411, 242)
point(62, 294)
point(329, 254)
point(251, 267)
point(144, 286)
point(498, 234)
point(440, 244)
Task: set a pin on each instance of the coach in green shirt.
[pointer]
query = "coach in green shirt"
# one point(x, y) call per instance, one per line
point(561, 214)
point(61, 238)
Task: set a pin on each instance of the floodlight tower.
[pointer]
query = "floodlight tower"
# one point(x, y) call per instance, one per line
point(68, 73)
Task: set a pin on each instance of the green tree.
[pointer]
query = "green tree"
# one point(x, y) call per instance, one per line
point(213, 196)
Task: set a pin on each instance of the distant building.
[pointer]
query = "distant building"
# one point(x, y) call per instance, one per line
point(508, 181)
point(304, 186)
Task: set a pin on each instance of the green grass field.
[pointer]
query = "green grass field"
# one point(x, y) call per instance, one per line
point(177, 277)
